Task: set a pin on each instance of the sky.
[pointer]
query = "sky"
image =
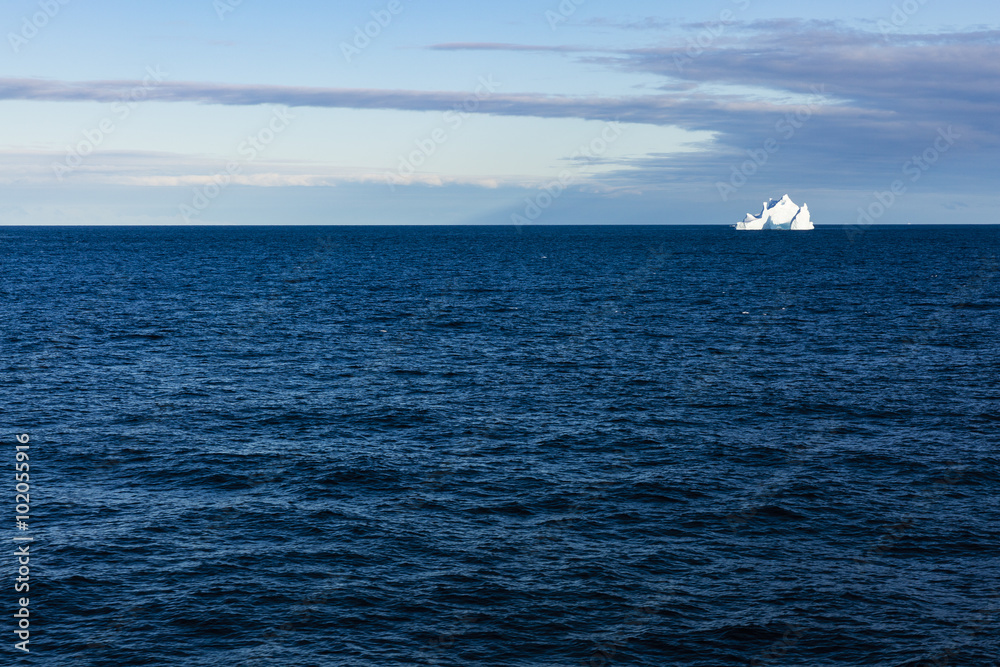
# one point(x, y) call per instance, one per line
point(134, 112)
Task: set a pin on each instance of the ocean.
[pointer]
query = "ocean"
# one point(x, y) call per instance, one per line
point(590, 446)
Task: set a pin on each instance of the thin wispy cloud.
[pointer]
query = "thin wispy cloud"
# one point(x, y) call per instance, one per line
point(662, 109)
point(645, 23)
point(501, 46)
point(162, 169)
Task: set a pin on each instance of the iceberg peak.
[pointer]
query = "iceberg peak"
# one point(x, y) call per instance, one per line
point(779, 214)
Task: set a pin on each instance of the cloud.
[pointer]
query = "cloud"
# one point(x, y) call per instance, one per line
point(885, 95)
point(663, 109)
point(885, 72)
point(483, 101)
point(845, 106)
point(646, 23)
point(159, 169)
point(885, 99)
point(504, 46)
point(914, 78)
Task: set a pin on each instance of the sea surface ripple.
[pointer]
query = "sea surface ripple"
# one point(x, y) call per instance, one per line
point(497, 446)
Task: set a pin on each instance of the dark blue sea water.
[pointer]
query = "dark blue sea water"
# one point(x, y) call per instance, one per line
point(490, 446)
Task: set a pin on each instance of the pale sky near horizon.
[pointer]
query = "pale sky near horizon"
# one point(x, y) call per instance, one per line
point(255, 112)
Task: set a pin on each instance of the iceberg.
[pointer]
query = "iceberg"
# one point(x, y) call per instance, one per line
point(779, 214)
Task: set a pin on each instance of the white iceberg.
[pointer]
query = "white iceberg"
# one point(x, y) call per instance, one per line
point(779, 214)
